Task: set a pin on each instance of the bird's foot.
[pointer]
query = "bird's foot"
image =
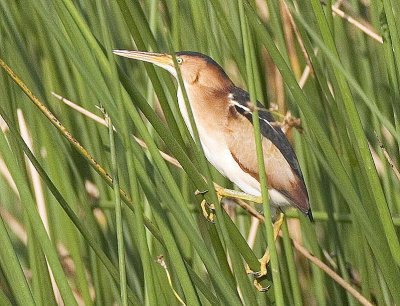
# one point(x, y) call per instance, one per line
point(207, 209)
point(264, 261)
point(292, 122)
point(259, 275)
point(288, 121)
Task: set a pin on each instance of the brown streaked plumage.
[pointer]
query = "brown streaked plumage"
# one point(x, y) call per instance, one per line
point(223, 116)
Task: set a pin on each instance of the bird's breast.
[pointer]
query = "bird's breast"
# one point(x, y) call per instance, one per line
point(211, 128)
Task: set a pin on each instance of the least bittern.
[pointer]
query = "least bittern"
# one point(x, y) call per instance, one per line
point(224, 119)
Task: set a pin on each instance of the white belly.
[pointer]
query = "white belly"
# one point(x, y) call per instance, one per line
point(218, 154)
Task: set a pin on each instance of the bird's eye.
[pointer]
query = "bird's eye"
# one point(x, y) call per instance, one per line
point(179, 60)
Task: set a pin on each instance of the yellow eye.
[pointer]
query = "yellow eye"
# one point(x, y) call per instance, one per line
point(179, 60)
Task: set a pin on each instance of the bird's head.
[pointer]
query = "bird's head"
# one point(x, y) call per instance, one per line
point(196, 69)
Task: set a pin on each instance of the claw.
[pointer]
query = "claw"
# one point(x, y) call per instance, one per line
point(263, 267)
point(257, 275)
point(200, 192)
point(259, 287)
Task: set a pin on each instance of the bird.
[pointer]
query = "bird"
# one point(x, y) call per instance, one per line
point(223, 114)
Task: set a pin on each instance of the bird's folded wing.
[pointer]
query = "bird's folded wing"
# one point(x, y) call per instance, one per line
point(282, 168)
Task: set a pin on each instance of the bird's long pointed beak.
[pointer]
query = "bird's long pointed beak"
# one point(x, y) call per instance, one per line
point(162, 60)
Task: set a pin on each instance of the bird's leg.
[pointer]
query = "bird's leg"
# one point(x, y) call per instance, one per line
point(208, 209)
point(266, 258)
point(229, 193)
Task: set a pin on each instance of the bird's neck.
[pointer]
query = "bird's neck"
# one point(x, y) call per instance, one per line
point(208, 106)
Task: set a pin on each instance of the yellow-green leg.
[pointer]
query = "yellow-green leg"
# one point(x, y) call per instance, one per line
point(209, 214)
point(266, 258)
point(209, 209)
point(229, 193)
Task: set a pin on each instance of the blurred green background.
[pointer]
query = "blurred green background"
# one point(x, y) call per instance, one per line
point(334, 65)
